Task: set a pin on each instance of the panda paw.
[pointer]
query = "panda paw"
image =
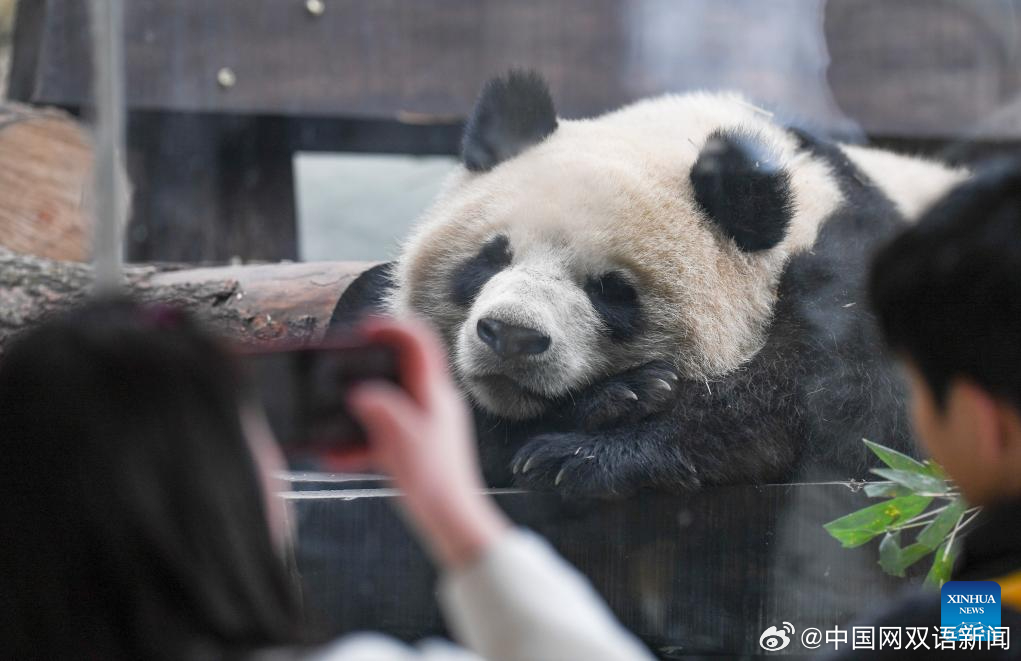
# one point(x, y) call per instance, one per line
point(570, 463)
point(627, 397)
point(601, 465)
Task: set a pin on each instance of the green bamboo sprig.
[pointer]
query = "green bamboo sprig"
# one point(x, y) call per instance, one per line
point(918, 497)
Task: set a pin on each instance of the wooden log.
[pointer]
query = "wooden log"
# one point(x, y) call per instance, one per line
point(45, 174)
point(253, 305)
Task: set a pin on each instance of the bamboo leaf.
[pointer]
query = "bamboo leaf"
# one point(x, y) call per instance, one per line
point(933, 534)
point(896, 460)
point(894, 559)
point(942, 563)
point(859, 527)
point(915, 481)
point(886, 490)
point(911, 554)
point(934, 469)
point(889, 553)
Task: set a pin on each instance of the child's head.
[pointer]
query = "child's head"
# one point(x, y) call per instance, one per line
point(948, 296)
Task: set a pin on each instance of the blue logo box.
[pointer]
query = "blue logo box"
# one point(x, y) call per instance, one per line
point(969, 608)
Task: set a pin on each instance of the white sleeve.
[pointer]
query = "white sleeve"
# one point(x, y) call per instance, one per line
point(522, 602)
point(377, 647)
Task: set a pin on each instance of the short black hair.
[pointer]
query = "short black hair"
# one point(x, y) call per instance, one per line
point(132, 512)
point(947, 291)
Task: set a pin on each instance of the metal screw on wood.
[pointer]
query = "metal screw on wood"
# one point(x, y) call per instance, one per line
point(226, 78)
point(315, 7)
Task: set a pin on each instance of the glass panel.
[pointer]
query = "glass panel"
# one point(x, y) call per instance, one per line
point(264, 136)
point(691, 575)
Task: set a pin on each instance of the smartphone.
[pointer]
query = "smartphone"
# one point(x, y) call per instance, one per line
point(303, 392)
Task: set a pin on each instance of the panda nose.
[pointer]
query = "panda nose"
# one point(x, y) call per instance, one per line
point(511, 341)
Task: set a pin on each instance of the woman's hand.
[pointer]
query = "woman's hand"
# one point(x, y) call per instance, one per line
point(422, 437)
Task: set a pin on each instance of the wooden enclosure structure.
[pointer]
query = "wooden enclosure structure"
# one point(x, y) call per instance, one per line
point(221, 94)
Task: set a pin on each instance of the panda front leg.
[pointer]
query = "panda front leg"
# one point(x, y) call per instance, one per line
point(626, 397)
point(705, 438)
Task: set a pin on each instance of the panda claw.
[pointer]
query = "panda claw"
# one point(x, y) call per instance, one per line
point(660, 383)
point(560, 476)
point(630, 394)
point(528, 464)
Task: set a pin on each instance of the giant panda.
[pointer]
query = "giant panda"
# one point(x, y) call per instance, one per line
point(666, 297)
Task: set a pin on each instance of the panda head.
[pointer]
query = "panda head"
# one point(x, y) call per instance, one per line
point(565, 251)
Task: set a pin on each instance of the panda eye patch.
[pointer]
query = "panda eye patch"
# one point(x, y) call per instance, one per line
point(617, 303)
point(473, 274)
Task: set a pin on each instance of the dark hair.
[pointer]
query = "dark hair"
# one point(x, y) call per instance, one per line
point(132, 513)
point(948, 290)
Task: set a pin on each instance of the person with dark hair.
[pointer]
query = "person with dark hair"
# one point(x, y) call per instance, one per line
point(139, 522)
point(947, 294)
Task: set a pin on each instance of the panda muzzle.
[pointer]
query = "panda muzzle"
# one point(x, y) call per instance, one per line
point(509, 341)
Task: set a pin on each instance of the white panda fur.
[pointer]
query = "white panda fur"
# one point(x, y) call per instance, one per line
point(911, 183)
point(749, 360)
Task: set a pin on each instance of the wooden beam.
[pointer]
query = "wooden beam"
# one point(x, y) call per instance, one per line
point(927, 68)
point(424, 61)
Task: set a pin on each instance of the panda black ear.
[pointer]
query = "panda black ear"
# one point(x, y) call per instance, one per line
point(742, 186)
point(512, 114)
